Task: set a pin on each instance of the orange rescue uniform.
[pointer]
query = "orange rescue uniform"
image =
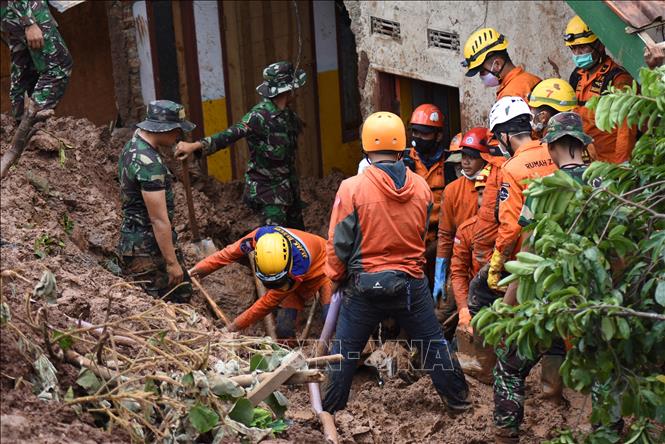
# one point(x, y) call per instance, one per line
point(531, 160)
point(436, 181)
point(304, 286)
point(459, 203)
point(466, 261)
point(518, 83)
point(486, 226)
point(617, 146)
point(366, 232)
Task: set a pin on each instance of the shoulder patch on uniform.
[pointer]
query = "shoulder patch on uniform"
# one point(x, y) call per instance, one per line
point(504, 193)
point(246, 246)
point(145, 160)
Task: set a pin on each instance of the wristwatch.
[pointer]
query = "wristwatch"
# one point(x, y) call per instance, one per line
point(26, 21)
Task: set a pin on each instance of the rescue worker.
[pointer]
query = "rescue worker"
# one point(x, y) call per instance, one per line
point(271, 128)
point(426, 158)
point(459, 202)
point(464, 264)
point(595, 72)
point(289, 263)
point(511, 124)
point(375, 255)
point(40, 61)
point(549, 97)
point(147, 245)
point(486, 53)
point(566, 143)
point(454, 160)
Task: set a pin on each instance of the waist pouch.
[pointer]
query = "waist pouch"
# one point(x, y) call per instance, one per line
point(381, 284)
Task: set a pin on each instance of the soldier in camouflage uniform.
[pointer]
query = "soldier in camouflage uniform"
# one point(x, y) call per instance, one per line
point(566, 142)
point(40, 61)
point(271, 128)
point(147, 242)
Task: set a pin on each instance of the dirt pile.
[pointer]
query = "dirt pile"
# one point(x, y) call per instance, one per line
point(60, 211)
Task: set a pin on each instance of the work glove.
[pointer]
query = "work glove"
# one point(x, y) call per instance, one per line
point(465, 319)
point(494, 273)
point(440, 268)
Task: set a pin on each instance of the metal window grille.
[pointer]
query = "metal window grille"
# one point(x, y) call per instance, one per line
point(443, 39)
point(385, 27)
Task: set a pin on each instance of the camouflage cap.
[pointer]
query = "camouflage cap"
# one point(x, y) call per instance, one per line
point(280, 77)
point(566, 124)
point(165, 115)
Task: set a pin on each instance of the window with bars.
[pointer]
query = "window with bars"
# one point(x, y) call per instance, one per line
point(385, 27)
point(443, 39)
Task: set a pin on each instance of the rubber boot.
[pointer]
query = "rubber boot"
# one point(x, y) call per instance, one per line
point(506, 436)
point(475, 359)
point(551, 379)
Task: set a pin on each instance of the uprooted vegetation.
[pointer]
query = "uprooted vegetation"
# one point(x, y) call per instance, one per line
point(61, 213)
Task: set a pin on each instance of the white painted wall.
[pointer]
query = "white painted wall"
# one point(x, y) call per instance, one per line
point(325, 35)
point(209, 47)
point(534, 30)
point(145, 57)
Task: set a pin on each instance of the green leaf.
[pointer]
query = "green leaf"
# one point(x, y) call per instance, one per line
point(222, 386)
point(202, 418)
point(65, 341)
point(187, 379)
point(261, 418)
point(623, 327)
point(242, 411)
point(279, 426)
point(660, 293)
point(258, 362)
point(277, 403)
point(89, 381)
point(607, 328)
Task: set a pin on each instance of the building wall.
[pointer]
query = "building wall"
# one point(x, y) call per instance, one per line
point(534, 31)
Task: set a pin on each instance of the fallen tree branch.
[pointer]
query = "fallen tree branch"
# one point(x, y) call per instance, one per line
point(298, 378)
point(321, 361)
point(215, 308)
point(621, 312)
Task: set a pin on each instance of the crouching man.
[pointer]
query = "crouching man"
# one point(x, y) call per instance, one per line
point(289, 263)
point(376, 252)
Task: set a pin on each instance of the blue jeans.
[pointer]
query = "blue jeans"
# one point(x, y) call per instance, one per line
point(359, 315)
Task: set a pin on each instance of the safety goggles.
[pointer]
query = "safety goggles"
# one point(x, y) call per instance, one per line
point(573, 37)
point(467, 62)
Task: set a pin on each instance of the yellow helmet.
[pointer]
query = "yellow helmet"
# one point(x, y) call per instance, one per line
point(273, 259)
point(478, 45)
point(578, 33)
point(554, 92)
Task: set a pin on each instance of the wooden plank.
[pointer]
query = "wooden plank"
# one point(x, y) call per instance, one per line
point(290, 365)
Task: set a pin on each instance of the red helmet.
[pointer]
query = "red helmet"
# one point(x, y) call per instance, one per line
point(475, 139)
point(428, 115)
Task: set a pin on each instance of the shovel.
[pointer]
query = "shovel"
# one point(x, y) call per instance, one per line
point(204, 247)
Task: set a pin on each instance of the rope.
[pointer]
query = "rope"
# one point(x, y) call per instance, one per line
point(298, 27)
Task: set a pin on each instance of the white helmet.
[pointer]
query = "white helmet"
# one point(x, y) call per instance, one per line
point(507, 108)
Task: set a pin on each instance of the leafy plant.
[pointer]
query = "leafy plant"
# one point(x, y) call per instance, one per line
point(67, 224)
point(45, 244)
point(596, 273)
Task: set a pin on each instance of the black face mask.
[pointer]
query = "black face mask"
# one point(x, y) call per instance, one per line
point(423, 145)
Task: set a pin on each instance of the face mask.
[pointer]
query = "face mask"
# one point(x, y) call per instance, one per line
point(489, 80)
point(422, 144)
point(472, 176)
point(583, 60)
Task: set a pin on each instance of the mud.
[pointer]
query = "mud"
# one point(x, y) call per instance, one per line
point(68, 208)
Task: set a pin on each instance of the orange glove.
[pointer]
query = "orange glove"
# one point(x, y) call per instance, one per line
point(465, 319)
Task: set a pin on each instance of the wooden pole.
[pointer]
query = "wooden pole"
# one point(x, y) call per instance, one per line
point(215, 308)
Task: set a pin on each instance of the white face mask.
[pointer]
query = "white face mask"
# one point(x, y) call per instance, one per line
point(489, 80)
point(471, 177)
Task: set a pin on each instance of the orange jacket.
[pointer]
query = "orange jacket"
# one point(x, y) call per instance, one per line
point(459, 203)
point(466, 261)
point(308, 275)
point(618, 145)
point(530, 160)
point(488, 213)
point(375, 227)
point(436, 181)
point(517, 83)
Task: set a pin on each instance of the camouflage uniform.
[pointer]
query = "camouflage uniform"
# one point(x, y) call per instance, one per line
point(42, 73)
point(511, 369)
point(141, 168)
point(271, 181)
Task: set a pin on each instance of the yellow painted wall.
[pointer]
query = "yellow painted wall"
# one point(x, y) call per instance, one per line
point(214, 121)
point(335, 154)
point(405, 100)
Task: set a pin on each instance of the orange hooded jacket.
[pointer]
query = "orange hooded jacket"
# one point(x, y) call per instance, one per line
point(436, 181)
point(617, 146)
point(466, 261)
point(530, 160)
point(304, 285)
point(517, 82)
point(376, 227)
point(459, 203)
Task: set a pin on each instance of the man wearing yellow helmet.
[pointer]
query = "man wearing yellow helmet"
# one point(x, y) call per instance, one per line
point(485, 53)
point(376, 253)
point(290, 263)
point(595, 72)
point(550, 97)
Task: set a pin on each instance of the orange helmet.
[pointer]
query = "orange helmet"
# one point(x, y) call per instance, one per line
point(475, 140)
point(427, 115)
point(454, 143)
point(383, 131)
